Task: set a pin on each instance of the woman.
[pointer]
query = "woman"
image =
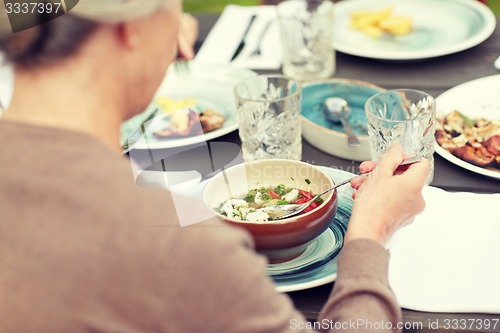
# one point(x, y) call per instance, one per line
point(83, 249)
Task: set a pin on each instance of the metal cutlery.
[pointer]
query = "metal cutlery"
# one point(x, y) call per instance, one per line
point(257, 51)
point(181, 68)
point(243, 38)
point(337, 109)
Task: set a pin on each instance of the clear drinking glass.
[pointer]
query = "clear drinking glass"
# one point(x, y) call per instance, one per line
point(269, 117)
point(402, 116)
point(307, 38)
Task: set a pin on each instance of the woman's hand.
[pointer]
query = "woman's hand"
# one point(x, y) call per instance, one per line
point(386, 199)
point(188, 32)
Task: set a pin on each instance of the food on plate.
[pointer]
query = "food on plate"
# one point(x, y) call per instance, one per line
point(476, 141)
point(183, 119)
point(169, 105)
point(250, 207)
point(375, 23)
point(210, 120)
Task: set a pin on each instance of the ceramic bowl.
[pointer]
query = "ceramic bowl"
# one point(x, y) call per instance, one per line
point(329, 136)
point(279, 240)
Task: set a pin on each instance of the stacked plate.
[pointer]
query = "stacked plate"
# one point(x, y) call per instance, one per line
point(317, 265)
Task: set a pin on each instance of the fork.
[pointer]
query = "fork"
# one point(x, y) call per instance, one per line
point(279, 212)
point(182, 68)
point(257, 51)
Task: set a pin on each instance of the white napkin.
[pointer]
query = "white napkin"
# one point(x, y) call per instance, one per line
point(448, 260)
point(226, 34)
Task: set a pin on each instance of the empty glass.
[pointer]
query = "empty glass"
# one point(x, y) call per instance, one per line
point(307, 38)
point(402, 116)
point(269, 117)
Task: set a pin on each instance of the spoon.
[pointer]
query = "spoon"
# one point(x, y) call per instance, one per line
point(338, 110)
point(279, 212)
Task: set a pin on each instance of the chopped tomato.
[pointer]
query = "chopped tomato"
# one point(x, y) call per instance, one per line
point(306, 194)
point(311, 207)
point(273, 194)
point(301, 201)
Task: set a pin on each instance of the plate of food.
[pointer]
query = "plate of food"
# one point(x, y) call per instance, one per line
point(410, 30)
point(189, 107)
point(468, 126)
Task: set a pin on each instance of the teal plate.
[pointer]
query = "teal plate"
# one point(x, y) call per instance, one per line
point(318, 264)
point(354, 92)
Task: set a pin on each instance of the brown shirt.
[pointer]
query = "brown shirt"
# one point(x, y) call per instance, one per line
point(83, 249)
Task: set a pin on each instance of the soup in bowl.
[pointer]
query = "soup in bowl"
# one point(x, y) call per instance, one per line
point(237, 194)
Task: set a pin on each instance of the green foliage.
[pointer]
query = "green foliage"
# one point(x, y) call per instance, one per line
point(214, 6)
point(495, 6)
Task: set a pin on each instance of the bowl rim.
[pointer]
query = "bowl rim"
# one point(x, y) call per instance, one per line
point(333, 80)
point(275, 222)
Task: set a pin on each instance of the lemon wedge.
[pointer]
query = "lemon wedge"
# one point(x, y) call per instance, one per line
point(169, 105)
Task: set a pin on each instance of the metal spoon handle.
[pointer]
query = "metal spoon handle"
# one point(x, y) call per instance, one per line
point(406, 161)
point(352, 139)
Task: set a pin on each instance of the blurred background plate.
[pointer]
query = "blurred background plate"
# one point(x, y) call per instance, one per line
point(329, 136)
point(440, 28)
point(211, 86)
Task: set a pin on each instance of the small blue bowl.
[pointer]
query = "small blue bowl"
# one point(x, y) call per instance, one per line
point(330, 136)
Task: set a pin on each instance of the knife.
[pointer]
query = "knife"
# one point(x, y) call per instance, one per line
point(242, 43)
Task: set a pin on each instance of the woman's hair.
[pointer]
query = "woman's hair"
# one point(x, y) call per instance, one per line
point(55, 40)
point(48, 43)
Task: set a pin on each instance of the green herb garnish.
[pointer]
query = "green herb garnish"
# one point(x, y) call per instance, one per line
point(466, 119)
point(281, 189)
point(250, 197)
point(265, 197)
point(308, 181)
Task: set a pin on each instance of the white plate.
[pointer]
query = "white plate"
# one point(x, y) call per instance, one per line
point(478, 98)
point(441, 27)
point(211, 86)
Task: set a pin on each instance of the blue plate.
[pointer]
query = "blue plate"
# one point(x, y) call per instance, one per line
point(354, 92)
point(318, 264)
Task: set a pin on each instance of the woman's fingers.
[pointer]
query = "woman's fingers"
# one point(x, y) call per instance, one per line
point(364, 167)
point(367, 166)
point(418, 172)
point(188, 32)
point(390, 161)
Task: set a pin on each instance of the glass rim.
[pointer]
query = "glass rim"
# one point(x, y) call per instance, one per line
point(386, 92)
point(267, 76)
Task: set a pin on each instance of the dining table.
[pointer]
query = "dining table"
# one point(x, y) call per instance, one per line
point(434, 76)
